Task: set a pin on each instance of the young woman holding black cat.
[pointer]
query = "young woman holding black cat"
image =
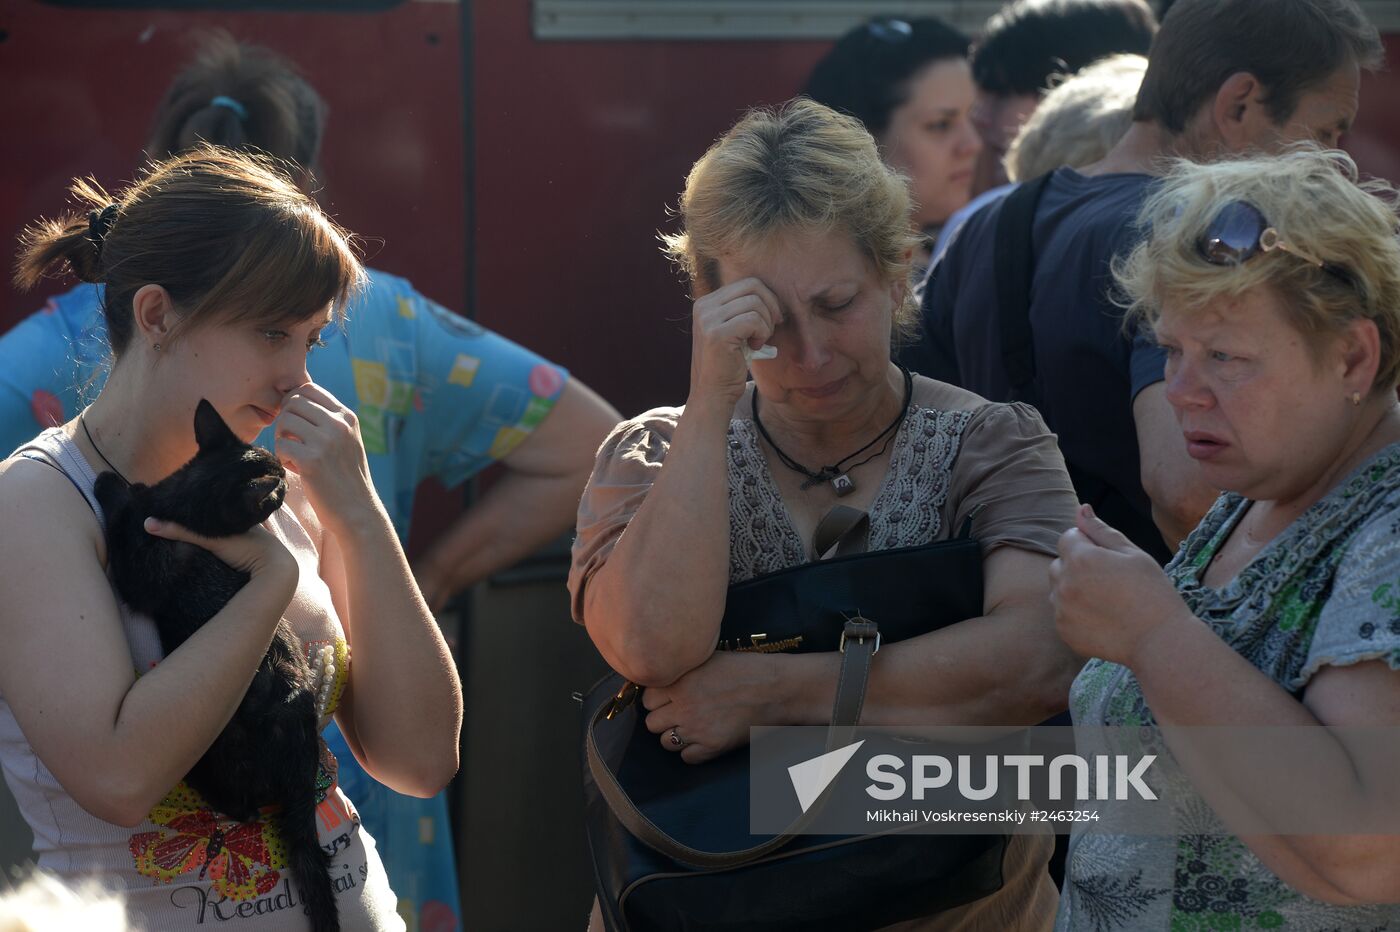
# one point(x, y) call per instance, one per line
point(220, 275)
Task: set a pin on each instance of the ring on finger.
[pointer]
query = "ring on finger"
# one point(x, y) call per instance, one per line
point(675, 739)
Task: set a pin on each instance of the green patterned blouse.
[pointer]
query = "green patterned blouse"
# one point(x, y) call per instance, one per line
point(1324, 592)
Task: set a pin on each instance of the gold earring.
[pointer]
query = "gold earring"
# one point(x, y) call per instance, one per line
point(1356, 399)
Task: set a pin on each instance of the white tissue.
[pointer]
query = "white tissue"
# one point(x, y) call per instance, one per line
point(763, 352)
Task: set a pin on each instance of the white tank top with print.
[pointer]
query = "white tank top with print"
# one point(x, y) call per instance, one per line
point(187, 866)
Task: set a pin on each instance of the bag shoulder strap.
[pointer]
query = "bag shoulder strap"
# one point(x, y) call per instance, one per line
point(859, 642)
point(842, 531)
point(1014, 264)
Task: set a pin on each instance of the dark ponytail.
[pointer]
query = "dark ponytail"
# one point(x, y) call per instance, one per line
point(243, 97)
point(70, 244)
point(220, 123)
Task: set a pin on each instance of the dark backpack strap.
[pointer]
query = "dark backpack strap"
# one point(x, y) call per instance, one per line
point(1014, 266)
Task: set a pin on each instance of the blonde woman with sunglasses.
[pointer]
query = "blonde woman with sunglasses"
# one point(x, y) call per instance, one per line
point(1273, 286)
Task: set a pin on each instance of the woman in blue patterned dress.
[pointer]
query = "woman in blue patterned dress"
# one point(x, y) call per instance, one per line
point(1274, 286)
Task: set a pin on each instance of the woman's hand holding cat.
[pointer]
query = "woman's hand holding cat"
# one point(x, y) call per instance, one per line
point(318, 438)
point(259, 552)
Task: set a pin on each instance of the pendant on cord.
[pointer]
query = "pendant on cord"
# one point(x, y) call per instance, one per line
point(839, 474)
point(841, 483)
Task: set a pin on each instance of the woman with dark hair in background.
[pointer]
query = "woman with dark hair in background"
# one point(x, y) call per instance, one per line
point(908, 81)
point(435, 394)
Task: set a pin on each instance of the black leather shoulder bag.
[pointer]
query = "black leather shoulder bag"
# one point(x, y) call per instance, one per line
point(670, 841)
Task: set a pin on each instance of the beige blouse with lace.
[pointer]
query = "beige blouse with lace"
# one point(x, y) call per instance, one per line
point(955, 457)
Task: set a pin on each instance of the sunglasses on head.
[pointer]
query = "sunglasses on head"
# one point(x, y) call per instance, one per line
point(892, 31)
point(1239, 232)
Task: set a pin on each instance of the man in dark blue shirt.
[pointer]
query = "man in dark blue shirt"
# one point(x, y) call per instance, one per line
point(1224, 76)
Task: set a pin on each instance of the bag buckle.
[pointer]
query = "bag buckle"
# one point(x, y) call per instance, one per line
point(625, 697)
point(860, 629)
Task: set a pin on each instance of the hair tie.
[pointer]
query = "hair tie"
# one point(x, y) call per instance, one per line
point(229, 103)
point(99, 222)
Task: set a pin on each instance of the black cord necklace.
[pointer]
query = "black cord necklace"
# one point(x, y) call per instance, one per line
point(837, 473)
point(98, 450)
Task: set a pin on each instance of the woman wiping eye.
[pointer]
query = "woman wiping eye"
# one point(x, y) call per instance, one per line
point(686, 501)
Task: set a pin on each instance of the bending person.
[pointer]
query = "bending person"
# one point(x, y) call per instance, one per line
point(797, 235)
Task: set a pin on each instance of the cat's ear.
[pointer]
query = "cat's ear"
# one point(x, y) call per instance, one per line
point(210, 431)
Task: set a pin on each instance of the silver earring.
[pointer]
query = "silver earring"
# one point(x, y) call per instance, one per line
point(156, 347)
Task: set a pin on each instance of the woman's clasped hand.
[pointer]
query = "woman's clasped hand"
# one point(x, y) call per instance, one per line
point(710, 708)
point(1110, 596)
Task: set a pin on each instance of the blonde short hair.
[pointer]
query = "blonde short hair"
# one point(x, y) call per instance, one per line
point(1079, 120)
point(799, 167)
point(1314, 199)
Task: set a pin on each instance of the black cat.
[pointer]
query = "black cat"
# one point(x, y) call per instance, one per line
point(269, 752)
